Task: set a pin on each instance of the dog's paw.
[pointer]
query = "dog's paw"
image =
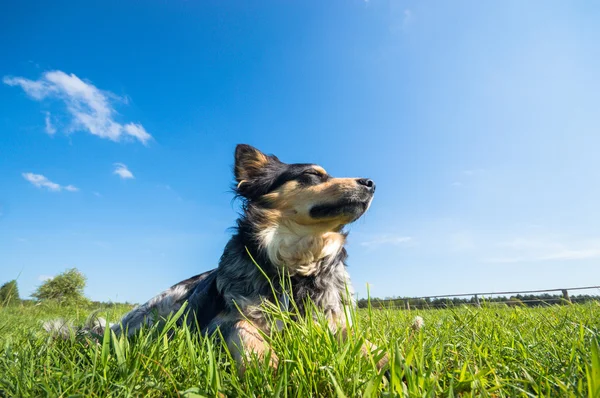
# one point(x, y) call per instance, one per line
point(59, 328)
point(253, 360)
point(383, 362)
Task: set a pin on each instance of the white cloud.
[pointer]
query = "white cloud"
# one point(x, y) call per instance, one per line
point(122, 171)
point(41, 181)
point(90, 108)
point(50, 129)
point(387, 240)
point(35, 89)
point(138, 131)
point(96, 194)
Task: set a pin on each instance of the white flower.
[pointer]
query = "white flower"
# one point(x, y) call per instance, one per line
point(417, 323)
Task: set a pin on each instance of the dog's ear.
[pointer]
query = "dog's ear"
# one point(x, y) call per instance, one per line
point(249, 162)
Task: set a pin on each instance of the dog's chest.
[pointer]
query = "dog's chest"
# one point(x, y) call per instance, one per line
point(327, 291)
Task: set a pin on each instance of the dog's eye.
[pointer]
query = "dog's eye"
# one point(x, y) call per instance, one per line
point(314, 173)
point(312, 177)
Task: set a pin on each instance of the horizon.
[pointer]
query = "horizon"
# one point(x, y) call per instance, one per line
point(478, 123)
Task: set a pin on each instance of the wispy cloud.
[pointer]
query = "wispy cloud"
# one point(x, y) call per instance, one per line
point(381, 240)
point(535, 250)
point(102, 244)
point(167, 187)
point(400, 18)
point(50, 129)
point(473, 172)
point(572, 254)
point(582, 254)
point(461, 241)
point(89, 108)
point(531, 244)
point(122, 171)
point(466, 175)
point(407, 18)
point(44, 278)
point(41, 181)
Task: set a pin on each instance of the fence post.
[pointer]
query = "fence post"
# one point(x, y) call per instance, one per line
point(408, 305)
point(477, 301)
point(565, 294)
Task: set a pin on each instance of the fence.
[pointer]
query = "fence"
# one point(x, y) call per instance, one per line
point(477, 298)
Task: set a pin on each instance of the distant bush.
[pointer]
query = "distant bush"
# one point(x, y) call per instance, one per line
point(9, 293)
point(65, 288)
point(528, 300)
point(515, 302)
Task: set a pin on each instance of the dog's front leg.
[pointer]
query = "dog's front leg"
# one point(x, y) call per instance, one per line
point(367, 350)
point(244, 340)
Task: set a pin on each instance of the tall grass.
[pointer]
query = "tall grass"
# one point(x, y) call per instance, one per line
point(493, 351)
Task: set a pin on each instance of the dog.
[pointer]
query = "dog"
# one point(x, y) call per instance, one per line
point(292, 224)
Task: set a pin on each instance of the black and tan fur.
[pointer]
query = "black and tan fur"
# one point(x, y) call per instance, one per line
point(292, 224)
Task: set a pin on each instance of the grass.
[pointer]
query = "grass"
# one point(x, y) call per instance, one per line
point(494, 351)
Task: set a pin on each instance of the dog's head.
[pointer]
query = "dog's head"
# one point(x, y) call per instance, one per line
point(303, 194)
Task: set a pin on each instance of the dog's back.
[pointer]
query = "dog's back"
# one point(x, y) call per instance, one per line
point(199, 292)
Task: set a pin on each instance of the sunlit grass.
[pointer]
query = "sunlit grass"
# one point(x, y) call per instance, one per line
point(494, 351)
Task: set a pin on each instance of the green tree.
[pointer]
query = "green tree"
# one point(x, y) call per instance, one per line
point(63, 288)
point(9, 293)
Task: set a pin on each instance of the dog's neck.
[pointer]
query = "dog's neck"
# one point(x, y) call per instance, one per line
point(301, 250)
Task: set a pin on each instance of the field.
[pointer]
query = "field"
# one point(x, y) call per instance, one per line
point(492, 351)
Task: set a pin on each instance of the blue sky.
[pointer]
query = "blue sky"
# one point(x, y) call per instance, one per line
point(478, 121)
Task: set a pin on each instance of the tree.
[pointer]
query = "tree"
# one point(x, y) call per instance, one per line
point(9, 293)
point(63, 288)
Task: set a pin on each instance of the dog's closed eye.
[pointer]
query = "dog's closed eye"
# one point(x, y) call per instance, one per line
point(313, 176)
point(314, 173)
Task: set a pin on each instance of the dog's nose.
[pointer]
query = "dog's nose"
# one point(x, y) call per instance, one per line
point(367, 182)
